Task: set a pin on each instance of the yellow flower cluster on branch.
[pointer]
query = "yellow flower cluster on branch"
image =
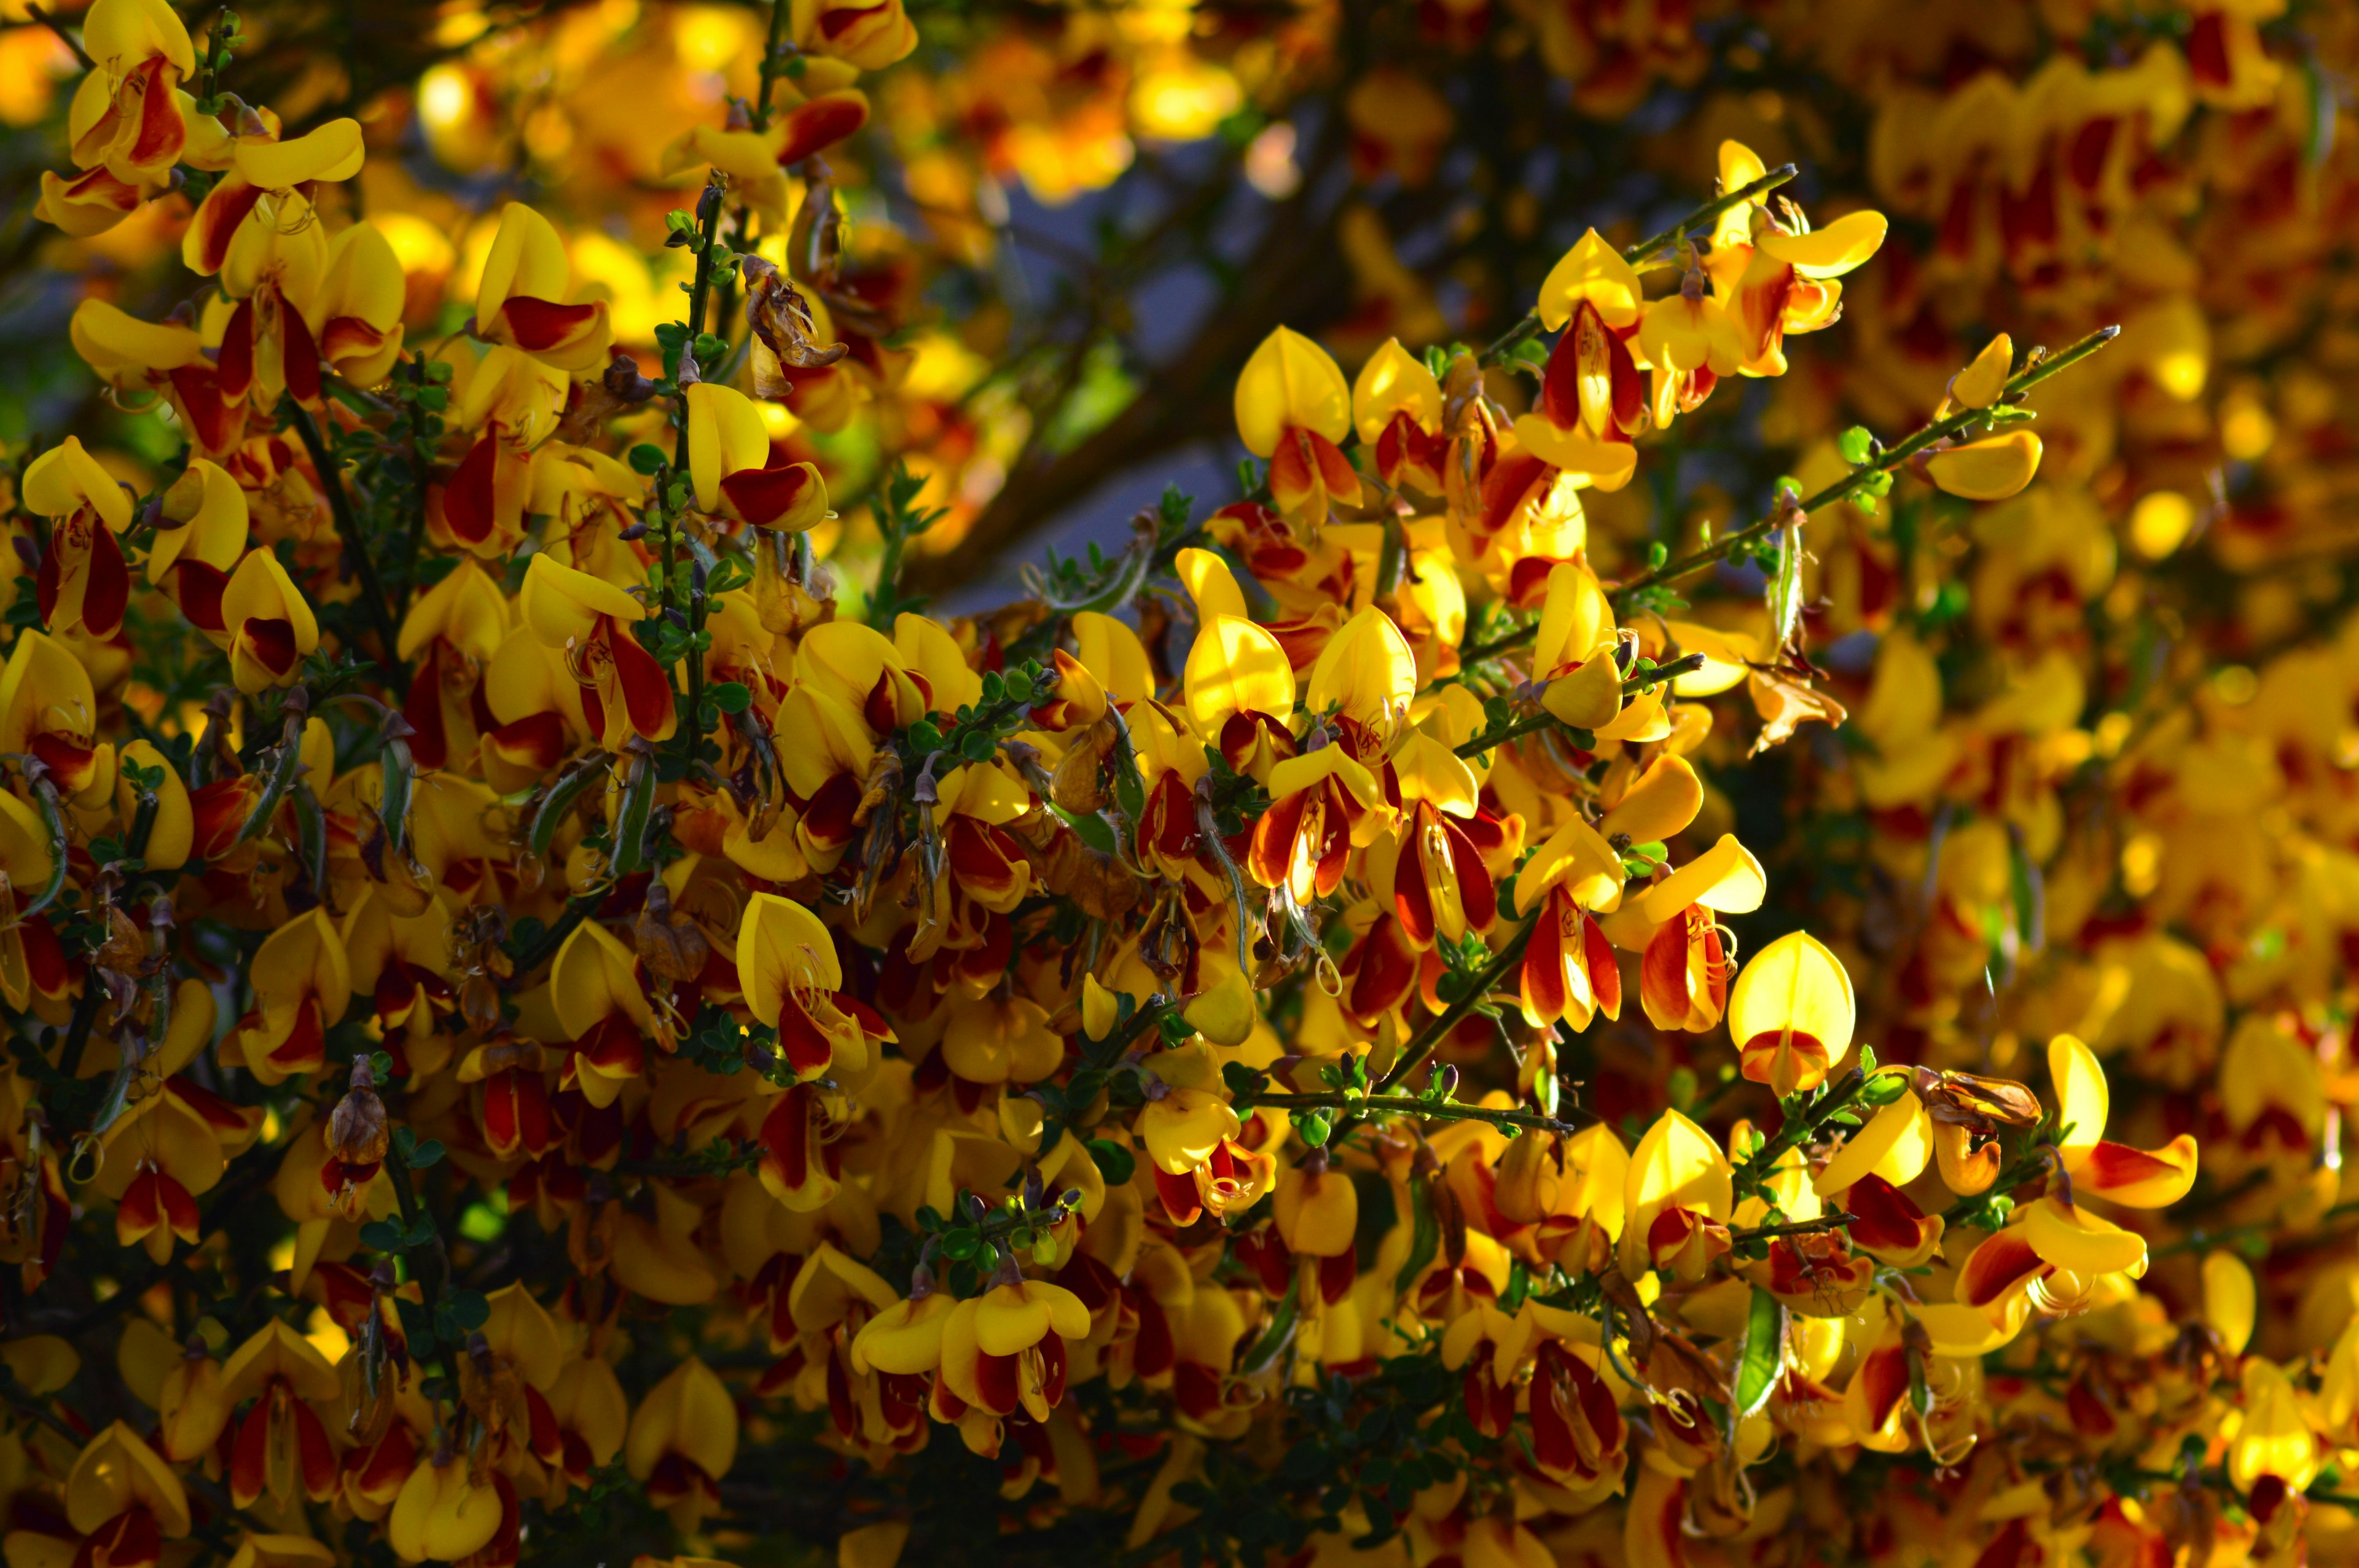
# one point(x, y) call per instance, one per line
point(1502, 995)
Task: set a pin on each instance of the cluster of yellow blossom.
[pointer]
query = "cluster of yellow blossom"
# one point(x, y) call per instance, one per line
point(554, 1026)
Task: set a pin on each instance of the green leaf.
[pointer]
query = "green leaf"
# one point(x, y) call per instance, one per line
point(1280, 1331)
point(468, 1309)
point(1785, 590)
point(426, 1153)
point(961, 1244)
point(731, 697)
point(1114, 1162)
point(1858, 444)
point(1763, 1349)
point(381, 1235)
point(1425, 1236)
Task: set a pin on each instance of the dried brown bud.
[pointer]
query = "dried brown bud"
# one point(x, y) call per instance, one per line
point(356, 1128)
point(1079, 783)
point(670, 944)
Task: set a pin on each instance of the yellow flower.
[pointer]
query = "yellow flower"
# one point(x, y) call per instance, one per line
point(1790, 1014)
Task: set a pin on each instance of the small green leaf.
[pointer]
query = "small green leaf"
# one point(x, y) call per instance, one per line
point(426, 1153)
point(1858, 444)
point(646, 459)
point(1114, 1162)
point(1763, 1350)
point(731, 697)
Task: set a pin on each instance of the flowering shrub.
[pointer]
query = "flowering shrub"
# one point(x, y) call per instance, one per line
point(1472, 1002)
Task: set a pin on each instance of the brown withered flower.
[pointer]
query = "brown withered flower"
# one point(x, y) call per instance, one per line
point(782, 321)
point(356, 1128)
point(669, 944)
point(1079, 783)
point(1967, 1111)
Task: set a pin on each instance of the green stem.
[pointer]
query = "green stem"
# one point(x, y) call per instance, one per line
point(419, 466)
point(2029, 1163)
point(1703, 560)
point(1432, 1110)
point(380, 606)
point(1890, 460)
point(1799, 1228)
point(1430, 1037)
point(1646, 248)
point(1705, 214)
point(708, 235)
point(1531, 724)
point(53, 821)
point(773, 59)
point(428, 1265)
point(1762, 1163)
point(85, 1012)
point(1659, 674)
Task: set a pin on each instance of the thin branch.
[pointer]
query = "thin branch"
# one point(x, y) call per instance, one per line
point(1890, 460)
point(1684, 664)
point(1799, 1228)
point(1646, 248)
point(41, 14)
point(1432, 1110)
point(1430, 1037)
point(331, 479)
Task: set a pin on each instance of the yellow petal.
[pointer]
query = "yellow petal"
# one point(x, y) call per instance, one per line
point(1211, 584)
point(1794, 983)
point(1895, 1144)
point(1979, 384)
point(1725, 877)
point(1391, 382)
point(1988, 469)
point(782, 946)
point(333, 152)
point(1661, 801)
point(1290, 382)
point(1236, 667)
point(1366, 671)
point(1828, 252)
point(2070, 1236)
point(1593, 271)
point(2082, 1101)
point(1590, 697)
point(2230, 1300)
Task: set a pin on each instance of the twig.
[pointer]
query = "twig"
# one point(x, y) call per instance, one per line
point(1799, 1228)
point(1762, 1163)
point(331, 479)
point(1530, 323)
point(1428, 1038)
point(1891, 458)
point(774, 54)
point(41, 14)
point(1660, 674)
point(1434, 1110)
